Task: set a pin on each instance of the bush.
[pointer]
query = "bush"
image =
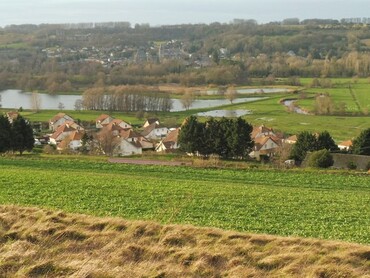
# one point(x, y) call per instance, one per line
point(351, 165)
point(321, 159)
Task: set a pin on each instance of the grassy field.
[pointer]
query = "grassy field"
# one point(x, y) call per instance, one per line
point(307, 204)
point(357, 102)
point(46, 243)
point(273, 114)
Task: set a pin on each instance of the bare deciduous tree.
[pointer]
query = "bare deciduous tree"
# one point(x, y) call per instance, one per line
point(187, 99)
point(61, 106)
point(107, 141)
point(231, 94)
point(35, 101)
point(78, 104)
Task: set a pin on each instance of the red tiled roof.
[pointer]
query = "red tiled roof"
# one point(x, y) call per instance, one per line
point(172, 136)
point(66, 127)
point(57, 117)
point(260, 129)
point(129, 133)
point(12, 114)
point(261, 141)
point(347, 143)
point(102, 117)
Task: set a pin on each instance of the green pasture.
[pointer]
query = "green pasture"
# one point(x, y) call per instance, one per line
point(288, 203)
point(358, 102)
point(273, 114)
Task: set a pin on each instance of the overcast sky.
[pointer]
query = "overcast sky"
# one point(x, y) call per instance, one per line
point(158, 12)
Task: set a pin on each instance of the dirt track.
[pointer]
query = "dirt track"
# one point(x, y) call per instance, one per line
point(148, 162)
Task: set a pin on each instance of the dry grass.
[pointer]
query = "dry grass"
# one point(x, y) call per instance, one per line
point(41, 243)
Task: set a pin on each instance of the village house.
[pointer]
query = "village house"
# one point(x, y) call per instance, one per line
point(63, 131)
point(103, 120)
point(59, 120)
point(265, 146)
point(133, 136)
point(150, 121)
point(126, 147)
point(262, 131)
point(12, 115)
point(155, 131)
point(73, 141)
point(345, 145)
point(118, 124)
point(170, 142)
point(291, 139)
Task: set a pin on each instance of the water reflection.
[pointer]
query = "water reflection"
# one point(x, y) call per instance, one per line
point(247, 91)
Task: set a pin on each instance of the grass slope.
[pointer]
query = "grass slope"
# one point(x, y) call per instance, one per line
point(43, 243)
point(308, 204)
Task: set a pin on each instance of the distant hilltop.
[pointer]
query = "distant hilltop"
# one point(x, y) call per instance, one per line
point(82, 25)
point(237, 21)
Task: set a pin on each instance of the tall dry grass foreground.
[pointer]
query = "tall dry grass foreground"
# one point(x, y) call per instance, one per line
point(41, 243)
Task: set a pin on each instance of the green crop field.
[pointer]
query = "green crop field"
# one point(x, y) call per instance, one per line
point(310, 204)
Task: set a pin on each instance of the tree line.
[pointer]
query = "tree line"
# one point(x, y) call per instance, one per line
point(227, 138)
point(126, 98)
point(308, 142)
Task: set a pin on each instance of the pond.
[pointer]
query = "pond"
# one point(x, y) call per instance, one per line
point(208, 103)
point(290, 104)
point(225, 113)
point(15, 99)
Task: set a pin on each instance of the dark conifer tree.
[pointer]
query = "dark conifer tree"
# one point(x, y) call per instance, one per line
point(22, 135)
point(325, 141)
point(5, 134)
point(361, 145)
point(306, 142)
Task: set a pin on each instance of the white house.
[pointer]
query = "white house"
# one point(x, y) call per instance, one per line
point(128, 147)
point(133, 136)
point(150, 121)
point(58, 120)
point(265, 146)
point(345, 145)
point(117, 123)
point(103, 120)
point(73, 141)
point(63, 131)
point(170, 142)
point(262, 131)
point(155, 132)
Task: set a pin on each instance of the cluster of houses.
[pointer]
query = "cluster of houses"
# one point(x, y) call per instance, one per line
point(67, 134)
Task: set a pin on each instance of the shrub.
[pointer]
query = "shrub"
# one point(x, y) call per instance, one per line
point(351, 165)
point(321, 159)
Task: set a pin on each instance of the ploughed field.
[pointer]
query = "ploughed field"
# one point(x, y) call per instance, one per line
point(315, 204)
